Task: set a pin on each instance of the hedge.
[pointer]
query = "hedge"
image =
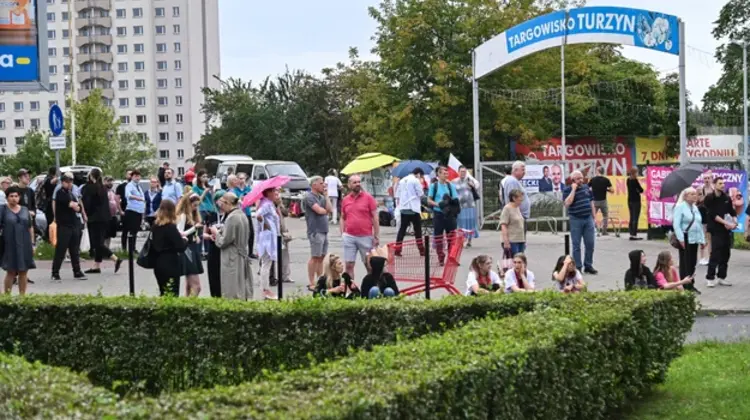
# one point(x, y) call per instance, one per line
point(578, 357)
point(154, 345)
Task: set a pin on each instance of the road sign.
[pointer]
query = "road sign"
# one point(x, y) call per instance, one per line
point(57, 142)
point(56, 121)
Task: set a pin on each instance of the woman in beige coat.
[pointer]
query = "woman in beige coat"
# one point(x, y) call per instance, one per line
point(232, 238)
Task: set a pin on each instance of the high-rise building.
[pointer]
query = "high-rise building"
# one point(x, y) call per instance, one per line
point(150, 58)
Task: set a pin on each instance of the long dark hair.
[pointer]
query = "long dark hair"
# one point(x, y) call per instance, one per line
point(198, 177)
point(95, 179)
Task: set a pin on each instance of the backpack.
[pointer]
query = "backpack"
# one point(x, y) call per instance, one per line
point(41, 195)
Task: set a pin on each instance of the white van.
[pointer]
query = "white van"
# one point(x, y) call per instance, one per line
point(260, 170)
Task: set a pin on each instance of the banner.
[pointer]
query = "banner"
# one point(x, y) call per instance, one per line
point(660, 210)
point(651, 151)
point(22, 32)
point(584, 25)
point(547, 179)
point(615, 159)
point(617, 203)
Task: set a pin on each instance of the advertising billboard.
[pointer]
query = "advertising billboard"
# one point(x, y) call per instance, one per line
point(23, 45)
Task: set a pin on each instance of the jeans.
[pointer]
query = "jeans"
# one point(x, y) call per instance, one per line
point(68, 239)
point(415, 219)
point(517, 247)
point(444, 226)
point(375, 292)
point(583, 228)
point(634, 208)
point(720, 253)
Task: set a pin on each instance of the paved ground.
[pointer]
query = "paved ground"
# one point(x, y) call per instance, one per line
point(543, 250)
point(722, 328)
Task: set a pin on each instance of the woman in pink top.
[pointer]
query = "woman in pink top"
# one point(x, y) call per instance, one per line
point(666, 274)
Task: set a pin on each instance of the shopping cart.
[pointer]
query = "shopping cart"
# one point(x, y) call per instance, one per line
point(406, 262)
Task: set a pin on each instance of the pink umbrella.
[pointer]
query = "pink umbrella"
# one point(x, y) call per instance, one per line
point(257, 192)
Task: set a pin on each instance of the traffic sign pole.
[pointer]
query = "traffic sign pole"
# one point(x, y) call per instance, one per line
point(56, 126)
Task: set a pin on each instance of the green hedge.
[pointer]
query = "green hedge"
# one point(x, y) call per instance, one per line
point(577, 357)
point(153, 345)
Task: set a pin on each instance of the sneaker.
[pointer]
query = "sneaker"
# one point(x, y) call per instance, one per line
point(710, 283)
point(723, 282)
point(94, 271)
point(118, 264)
point(55, 278)
point(703, 261)
point(635, 238)
point(80, 276)
point(605, 233)
point(288, 281)
point(591, 270)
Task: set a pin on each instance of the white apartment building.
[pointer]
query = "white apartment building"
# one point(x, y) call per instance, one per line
point(151, 58)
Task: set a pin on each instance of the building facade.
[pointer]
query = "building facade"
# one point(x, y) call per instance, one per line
point(150, 58)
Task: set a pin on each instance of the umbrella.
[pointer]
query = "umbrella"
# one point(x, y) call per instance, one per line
point(406, 167)
point(257, 192)
point(679, 179)
point(368, 162)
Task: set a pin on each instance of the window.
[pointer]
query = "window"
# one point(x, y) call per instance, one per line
point(180, 154)
point(137, 12)
point(53, 87)
point(177, 47)
point(159, 12)
point(138, 30)
point(140, 83)
point(139, 48)
point(177, 64)
point(122, 49)
point(161, 65)
point(176, 29)
point(51, 34)
point(52, 52)
point(122, 67)
point(163, 136)
point(178, 82)
point(161, 29)
point(178, 117)
point(66, 68)
point(163, 154)
point(50, 17)
point(175, 11)
point(34, 105)
point(161, 83)
point(163, 119)
point(52, 69)
point(18, 124)
point(121, 13)
point(124, 102)
point(122, 85)
point(35, 123)
point(124, 120)
point(18, 106)
point(65, 16)
point(180, 136)
point(140, 66)
point(161, 48)
point(2, 124)
point(66, 51)
point(122, 31)
point(50, 104)
point(178, 100)
point(66, 33)
point(140, 119)
point(140, 101)
point(20, 141)
point(162, 101)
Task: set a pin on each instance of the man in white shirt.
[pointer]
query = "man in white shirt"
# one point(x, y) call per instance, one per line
point(334, 185)
point(410, 194)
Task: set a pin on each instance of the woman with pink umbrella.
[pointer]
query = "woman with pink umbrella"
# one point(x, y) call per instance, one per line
point(269, 222)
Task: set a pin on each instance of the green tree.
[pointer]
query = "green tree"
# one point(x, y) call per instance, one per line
point(34, 155)
point(96, 130)
point(131, 151)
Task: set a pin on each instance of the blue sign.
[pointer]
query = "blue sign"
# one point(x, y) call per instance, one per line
point(56, 121)
point(19, 63)
point(21, 33)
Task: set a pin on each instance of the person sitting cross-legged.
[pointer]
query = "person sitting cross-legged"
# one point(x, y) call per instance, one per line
point(520, 279)
point(335, 282)
point(481, 278)
point(378, 282)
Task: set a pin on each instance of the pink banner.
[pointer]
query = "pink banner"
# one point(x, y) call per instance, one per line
point(659, 210)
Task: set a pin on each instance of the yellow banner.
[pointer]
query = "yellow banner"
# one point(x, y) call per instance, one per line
point(651, 151)
point(618, 203)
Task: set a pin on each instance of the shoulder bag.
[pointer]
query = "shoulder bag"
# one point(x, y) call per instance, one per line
point(674, 240)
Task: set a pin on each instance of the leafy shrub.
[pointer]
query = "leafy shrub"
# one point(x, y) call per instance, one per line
point(153, 345)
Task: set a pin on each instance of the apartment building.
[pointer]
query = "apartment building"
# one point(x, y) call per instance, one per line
point(150, 58)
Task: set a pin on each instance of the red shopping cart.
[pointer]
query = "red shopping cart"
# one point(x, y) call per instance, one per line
point(406, 262)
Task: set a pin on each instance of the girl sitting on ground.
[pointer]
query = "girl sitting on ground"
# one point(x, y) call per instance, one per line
point(520, 278)
point(482, 279)
point(378, 282)
point(567, 276)
point(666, 274)
point(335, 282)
point(638, 275)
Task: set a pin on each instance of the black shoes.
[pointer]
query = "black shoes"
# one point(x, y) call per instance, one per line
point(590, 270)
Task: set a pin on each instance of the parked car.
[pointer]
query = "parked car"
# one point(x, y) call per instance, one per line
point(260, 170)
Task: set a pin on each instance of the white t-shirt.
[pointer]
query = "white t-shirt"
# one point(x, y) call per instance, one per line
point(511, 280)
point(471, 281)
point(570, 280)
point(333, 184)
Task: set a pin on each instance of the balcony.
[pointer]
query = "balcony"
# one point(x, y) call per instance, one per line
point(82, 5)
point(93, 21)
point(84, 76)
point(106, 93)
point(93, 39)
point(98, 56)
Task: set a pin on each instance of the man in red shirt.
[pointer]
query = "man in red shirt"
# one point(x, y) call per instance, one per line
point(360, 226)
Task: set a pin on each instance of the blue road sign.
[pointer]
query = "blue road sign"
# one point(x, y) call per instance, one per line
point(56, 122)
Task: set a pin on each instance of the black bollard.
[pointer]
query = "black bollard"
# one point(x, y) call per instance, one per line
point(567, 244)
point(131, 266)
point(279, 267)
point(426, 242)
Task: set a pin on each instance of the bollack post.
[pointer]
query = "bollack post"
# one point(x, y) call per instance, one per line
point(279, 267)
point(131, 266)
point(426, 243)
point(567, 244)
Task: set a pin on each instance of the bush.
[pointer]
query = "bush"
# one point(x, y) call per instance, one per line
point(152, 345)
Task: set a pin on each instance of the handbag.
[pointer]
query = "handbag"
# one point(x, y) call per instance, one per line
point(474, 192)
point(506, 264)
point(673, 240)
point(145, 256)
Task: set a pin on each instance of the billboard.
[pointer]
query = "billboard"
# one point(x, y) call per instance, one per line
point(23, 45)
point(651, 150)
point(615, 159)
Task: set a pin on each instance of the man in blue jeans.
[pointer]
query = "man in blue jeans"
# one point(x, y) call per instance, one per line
point(578, 200)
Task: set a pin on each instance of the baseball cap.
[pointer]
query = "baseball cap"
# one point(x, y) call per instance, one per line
point(218, 194)
point(22, 172)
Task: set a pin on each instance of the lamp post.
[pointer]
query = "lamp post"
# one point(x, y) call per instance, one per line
point(745, 162)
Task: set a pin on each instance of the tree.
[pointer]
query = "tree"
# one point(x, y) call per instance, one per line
point(131, 151)
point(96, 128)
point(34, 155)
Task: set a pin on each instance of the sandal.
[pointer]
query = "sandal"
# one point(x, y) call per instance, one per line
point(310, 288)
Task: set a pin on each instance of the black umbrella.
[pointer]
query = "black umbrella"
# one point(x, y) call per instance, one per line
point(680, 179)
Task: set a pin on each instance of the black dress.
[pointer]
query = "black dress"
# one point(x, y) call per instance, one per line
point(191, 258)
point(167, 245)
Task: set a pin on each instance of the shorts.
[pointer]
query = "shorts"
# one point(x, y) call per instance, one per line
point(356, 244)
point(603, 206)
point(318, 244)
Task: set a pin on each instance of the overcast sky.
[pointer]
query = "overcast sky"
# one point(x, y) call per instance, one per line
point(261, 38)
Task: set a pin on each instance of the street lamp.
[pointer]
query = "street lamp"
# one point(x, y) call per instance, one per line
point(745, 162)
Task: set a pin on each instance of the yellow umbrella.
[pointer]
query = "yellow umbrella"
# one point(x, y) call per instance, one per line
point(368, 162)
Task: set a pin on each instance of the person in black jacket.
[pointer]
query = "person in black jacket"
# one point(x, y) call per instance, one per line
point(378, 282)
point(722, 219)
point(634, 202)
point(95, 198)
point(166, 244)
point(638, 275)
point(68, 216)
point(335, 282)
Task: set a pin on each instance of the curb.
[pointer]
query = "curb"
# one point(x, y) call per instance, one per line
point(722, 312)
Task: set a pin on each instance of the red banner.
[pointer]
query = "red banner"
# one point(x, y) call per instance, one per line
point(615, 159)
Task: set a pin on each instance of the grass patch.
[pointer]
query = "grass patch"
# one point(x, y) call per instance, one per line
point(46, 252)
point(710, 381)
